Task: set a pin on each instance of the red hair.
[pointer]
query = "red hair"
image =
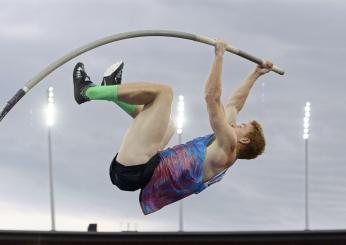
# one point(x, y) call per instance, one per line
point(257, 143)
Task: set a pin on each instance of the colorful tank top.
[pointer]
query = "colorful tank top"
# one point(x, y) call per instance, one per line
point(178, 175)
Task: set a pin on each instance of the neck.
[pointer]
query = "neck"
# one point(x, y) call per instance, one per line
point(238, 149)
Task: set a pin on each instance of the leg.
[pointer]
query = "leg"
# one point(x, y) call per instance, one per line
point(108, 93)
point(169, 132)
point(168, 135)
point(139, 109)
point(149, 129)
point(113, 76)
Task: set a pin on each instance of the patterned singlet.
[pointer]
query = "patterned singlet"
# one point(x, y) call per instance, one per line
point(178, 175)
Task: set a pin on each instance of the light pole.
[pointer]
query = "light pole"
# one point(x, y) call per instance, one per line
point(180, 121)
point(306, 139)
point(50, 122)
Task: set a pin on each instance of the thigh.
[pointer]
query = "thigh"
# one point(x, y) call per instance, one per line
point(146, 133)
point(168, 135)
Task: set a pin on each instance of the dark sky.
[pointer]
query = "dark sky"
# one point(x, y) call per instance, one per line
point(307, 38)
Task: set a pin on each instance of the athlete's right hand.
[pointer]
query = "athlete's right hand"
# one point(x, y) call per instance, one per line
point(220, 46)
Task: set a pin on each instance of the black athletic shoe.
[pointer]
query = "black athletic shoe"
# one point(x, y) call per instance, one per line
point(112, 75)
point(81, 82)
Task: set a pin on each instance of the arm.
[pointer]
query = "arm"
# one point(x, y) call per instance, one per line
point(225, 135)
point(239, 96)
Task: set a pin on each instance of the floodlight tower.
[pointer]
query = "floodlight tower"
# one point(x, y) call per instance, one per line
point(180, 121)
point(306, 126)
point(50, 113)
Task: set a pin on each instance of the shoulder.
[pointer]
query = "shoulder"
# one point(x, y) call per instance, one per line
point(219, 157)
point(227, 140)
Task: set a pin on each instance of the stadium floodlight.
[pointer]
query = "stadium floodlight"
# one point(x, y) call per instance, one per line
point(306, 130)
point(50, 112)
point(180, 115)
point(306, 124)
point(179, 123)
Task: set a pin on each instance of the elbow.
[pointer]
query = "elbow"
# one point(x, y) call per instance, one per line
point(213, 97)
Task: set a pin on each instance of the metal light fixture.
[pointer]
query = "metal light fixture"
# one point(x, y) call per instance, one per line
point(50, 107)
point(306, 131)
point(50, 122)
point(179, 123)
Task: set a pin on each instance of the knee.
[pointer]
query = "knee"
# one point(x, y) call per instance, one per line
point(166, 91)
point(172, 127)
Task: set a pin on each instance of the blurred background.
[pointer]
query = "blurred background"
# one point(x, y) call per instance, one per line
point(306, 38)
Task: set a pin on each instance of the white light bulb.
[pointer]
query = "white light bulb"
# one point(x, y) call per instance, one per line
point(180, 114)
point(50, 114)
point(306, 120)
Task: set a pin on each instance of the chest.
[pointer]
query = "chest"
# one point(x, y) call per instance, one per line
point(216, 161)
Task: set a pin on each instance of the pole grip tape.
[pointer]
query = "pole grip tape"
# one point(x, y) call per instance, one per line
point(11, 103)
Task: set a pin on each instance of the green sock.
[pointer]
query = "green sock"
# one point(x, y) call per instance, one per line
point(109, 93)
point(101, 92)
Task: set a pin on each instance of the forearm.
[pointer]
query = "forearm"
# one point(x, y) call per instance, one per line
point(239, 96)
point(213, 84)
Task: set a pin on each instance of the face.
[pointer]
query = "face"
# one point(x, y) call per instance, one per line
point(242, 130)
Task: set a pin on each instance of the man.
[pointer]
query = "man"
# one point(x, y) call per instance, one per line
point(166, 176)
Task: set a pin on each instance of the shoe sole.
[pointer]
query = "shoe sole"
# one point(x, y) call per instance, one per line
point(112, 68)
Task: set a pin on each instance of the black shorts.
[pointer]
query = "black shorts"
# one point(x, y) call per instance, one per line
point(132, 178)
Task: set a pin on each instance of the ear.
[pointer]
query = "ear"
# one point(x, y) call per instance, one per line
point(244, 140)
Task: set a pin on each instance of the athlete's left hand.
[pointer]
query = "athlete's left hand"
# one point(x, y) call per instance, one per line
point(265, 68)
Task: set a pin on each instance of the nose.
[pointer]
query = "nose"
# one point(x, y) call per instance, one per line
point(233, 125)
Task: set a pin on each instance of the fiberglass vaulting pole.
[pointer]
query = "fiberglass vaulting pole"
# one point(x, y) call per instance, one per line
point(126, 35)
